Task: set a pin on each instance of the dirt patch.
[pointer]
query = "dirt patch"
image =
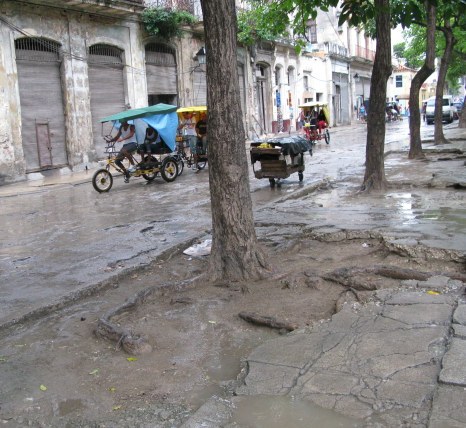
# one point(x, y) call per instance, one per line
point(58, 373)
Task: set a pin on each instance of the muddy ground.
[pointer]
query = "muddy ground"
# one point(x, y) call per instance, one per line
point(57, 372)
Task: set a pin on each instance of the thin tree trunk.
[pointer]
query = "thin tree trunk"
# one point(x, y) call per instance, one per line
point(236, 253)
point(415, 146)
point(450, 41)
point(374, 177)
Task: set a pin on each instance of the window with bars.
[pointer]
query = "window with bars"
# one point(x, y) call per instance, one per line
point(160, 54)
point(37, 48)
point(105, 54)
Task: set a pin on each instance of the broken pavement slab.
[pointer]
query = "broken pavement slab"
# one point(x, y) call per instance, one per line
point(387, 362)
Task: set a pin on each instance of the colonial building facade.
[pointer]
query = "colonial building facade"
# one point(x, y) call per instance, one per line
point(61, 74)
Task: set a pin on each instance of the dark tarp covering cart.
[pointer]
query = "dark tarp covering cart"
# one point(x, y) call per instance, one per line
point(279, 157)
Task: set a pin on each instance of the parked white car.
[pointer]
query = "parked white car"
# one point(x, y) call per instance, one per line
point(448, 110)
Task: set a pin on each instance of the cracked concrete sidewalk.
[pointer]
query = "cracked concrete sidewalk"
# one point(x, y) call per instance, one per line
point(396, 361)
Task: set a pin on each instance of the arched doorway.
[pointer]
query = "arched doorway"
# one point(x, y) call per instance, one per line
point(161, 74)
point(42, 113)
point(107, 89)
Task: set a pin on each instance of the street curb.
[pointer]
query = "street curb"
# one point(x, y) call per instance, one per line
point(91, 289)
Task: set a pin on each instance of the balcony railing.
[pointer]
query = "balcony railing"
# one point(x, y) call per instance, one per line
point(191, 6)
point(114, 8)
point(335, 49)
point(363, 52)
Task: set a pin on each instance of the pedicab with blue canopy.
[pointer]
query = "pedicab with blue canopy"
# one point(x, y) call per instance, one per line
point(162, 118)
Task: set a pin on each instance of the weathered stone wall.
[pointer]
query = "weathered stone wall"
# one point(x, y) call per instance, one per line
point(75, 32)
point(12, 165)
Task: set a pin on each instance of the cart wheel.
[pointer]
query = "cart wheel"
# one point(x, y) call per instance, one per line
point(272, 182)
point(201, 164)
point(150, 176)
point(327, 136)
point(180, 165)
point(300, 176)
point(169, 169)
point(102, 180)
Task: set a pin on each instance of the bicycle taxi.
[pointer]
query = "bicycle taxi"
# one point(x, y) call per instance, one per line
point(188, 117)
point(279, 157)
point(317, 121)
point(162, 118)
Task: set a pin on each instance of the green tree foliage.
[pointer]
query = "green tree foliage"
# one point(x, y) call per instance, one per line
point(166, 23)
point(272, 20)
point(399, 50)
point(253, 28)
point(414, 51)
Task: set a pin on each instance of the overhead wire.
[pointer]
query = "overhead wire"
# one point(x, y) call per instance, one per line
point(52, 47)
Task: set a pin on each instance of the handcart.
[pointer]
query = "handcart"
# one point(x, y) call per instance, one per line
point(279, 157)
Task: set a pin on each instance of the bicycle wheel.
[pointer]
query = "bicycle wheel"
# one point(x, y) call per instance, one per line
point(169, 170)
point(102, 180)
point(327, 136)
point(180, 164)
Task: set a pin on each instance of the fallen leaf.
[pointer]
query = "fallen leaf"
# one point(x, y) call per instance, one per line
point(116, 407)
point(433, 293)
point(132, 359)
point(213, 322)
point(93, 372)
point(43, 388)
point(3, 359)
point(112, 389)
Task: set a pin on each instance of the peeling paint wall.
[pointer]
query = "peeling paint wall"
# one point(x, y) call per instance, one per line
point(75, 32)
point(12, 165)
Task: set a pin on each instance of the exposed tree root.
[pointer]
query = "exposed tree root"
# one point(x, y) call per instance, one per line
point(267, 321)
point(131, 343)
point(348, 276)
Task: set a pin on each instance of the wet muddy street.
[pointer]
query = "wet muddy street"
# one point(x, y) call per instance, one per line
point(56, 372)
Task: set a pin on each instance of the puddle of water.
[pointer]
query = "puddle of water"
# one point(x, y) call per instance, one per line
point(279, 412)
point(69, 406)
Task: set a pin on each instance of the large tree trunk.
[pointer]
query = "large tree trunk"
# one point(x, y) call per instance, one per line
point(450, 41)
point(415, 146)
point(236, 253)
point(462, 113)
point(374, 177)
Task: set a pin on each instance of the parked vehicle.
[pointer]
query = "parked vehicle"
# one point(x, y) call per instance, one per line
point(447, 109)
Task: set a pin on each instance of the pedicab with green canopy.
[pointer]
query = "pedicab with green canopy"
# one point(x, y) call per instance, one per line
point(162, 118)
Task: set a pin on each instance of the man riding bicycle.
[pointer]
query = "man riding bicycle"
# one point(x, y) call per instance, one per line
point(126, 134)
